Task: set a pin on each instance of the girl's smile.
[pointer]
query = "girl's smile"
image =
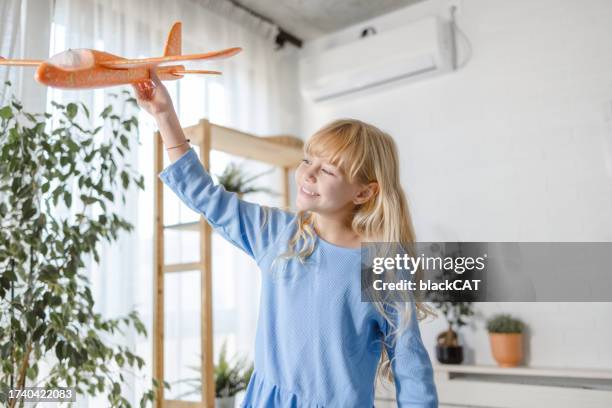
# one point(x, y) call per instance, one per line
point(308, 193)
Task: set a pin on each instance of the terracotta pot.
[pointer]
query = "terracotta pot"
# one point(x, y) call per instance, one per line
point(507, 348)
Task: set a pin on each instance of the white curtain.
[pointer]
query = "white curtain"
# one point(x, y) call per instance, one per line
point(10, 13)
point(24, 34)
point(257, 93)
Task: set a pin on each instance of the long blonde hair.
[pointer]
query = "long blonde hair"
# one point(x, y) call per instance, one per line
point(365, 154)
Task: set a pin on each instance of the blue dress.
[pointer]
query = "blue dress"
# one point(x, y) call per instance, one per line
point(317, 344)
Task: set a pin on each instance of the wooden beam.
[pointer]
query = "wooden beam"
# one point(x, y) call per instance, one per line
point(207, 367)
point(183, 404)
point(195, 133)
point(252, 147)
point(183, 267)
point(158, 273)
point(286, 192)
point(185, 226)
point(277, 150)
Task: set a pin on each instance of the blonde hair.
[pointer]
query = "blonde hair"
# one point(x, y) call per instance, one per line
point(366, 154)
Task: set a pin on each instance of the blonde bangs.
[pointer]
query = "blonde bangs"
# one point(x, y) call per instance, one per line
point(342, 144)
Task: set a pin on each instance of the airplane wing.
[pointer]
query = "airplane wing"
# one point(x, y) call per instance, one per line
point(132, 63)
point(23, 63)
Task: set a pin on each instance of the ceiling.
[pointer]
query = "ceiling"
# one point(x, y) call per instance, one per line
point(309, 19)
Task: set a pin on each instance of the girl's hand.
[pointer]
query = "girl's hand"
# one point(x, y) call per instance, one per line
point(152, 95)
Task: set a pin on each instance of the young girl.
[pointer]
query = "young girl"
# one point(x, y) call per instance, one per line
point(317, 344)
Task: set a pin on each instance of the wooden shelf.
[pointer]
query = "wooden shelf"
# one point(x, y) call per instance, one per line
point(281, 151)
point(186, 226)
point(183, 267)
point(182, 404)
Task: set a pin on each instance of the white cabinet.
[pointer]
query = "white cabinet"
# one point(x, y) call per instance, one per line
point(472, 386)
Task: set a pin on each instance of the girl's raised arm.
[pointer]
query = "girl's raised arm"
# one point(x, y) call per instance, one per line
point(249, 226)
point(153, 97)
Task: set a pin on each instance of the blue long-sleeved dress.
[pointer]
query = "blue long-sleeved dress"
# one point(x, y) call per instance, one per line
point(317, 343)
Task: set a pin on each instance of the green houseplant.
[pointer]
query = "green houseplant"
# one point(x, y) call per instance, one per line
point(231, 377)
point(506, 339)
point(456, 313)
point(448, 349)
point(57, 189)
point(234, 179)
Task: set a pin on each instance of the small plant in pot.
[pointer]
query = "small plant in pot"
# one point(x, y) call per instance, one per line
point(231, 377)
point(506, 338)
point(448, 349)
point(235, 179)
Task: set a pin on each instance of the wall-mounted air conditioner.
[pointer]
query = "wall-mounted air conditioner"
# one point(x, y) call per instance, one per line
point(416, 49)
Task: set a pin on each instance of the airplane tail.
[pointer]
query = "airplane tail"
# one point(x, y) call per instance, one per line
point(173, 43)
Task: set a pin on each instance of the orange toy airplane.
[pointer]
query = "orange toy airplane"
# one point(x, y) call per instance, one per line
point(86, 68)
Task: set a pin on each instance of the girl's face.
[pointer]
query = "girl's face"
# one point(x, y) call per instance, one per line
point(324, 189)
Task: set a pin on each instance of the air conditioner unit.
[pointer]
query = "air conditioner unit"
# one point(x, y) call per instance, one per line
point(416, 49)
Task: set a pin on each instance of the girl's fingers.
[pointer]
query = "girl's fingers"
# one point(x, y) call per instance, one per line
point(144, 89)
point(153, 75)
point(138, 88)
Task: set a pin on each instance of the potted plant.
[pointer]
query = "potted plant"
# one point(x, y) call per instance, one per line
point(506, 338)
point(456, 313)
point(234, 179)
point(448, 349)
point(230, 378)
point(57, 192)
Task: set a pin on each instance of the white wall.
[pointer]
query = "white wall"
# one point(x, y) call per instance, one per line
point(516, 146)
